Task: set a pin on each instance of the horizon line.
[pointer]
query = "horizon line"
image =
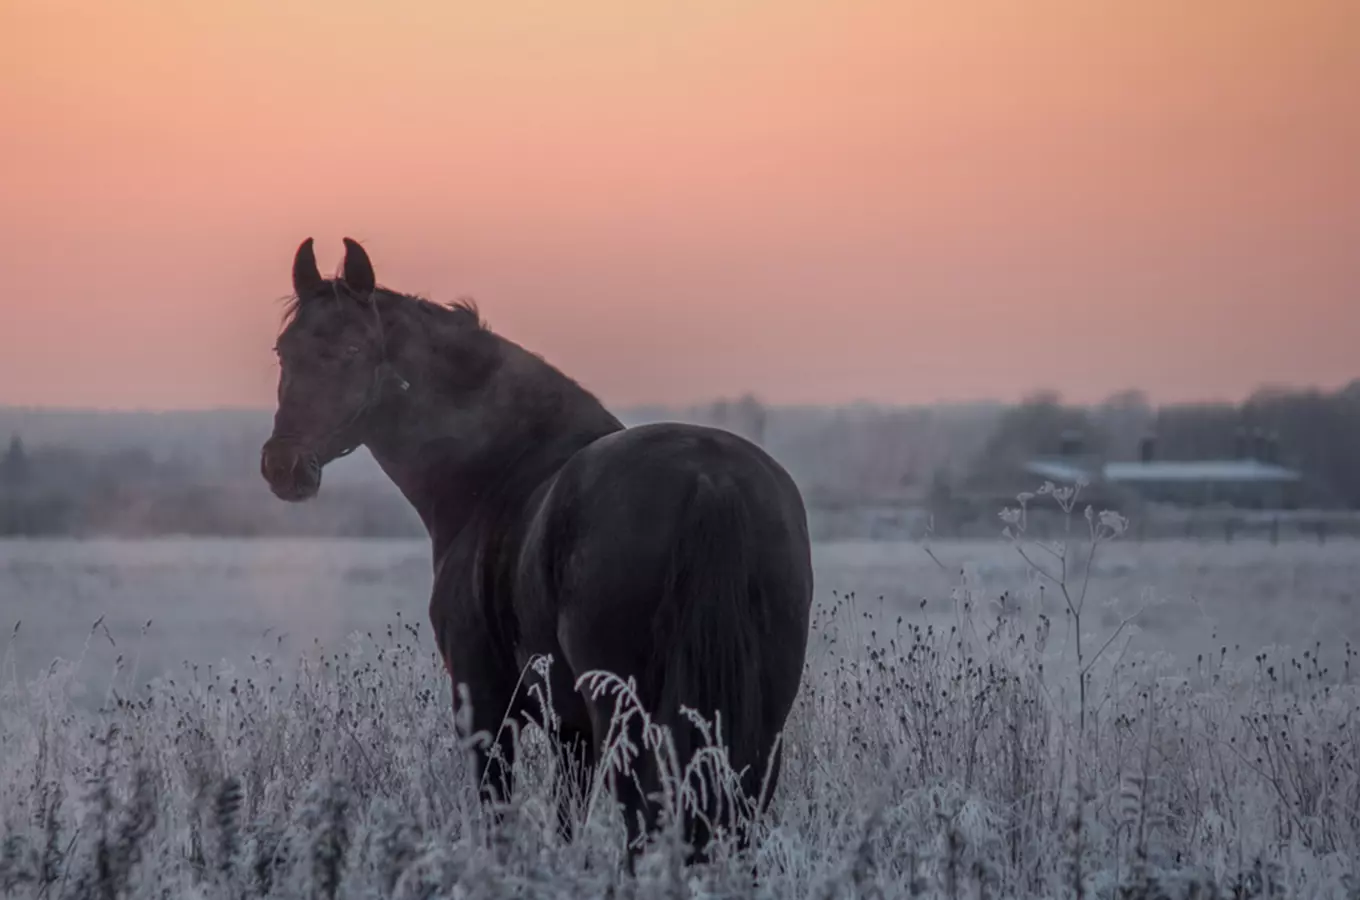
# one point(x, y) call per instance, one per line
point(861, 402)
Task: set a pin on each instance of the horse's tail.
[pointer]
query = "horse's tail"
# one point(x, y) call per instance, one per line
point(707, 638)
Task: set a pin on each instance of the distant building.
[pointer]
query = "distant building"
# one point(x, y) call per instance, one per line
point(1246, 481)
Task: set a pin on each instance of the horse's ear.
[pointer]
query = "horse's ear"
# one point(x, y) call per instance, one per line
point(358, 269)
point(306, 276)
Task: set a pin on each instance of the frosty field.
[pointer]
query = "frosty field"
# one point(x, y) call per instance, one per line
point(944, 744)
point(210, 601)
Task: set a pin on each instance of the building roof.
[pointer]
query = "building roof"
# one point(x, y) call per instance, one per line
point(1215, 470)
point(1199, 470)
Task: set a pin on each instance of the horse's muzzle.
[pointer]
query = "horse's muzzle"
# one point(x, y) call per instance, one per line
point(292, 472)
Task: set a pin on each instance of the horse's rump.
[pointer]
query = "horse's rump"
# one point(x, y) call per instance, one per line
point(691, 572)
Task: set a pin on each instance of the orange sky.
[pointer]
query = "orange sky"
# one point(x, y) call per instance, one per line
point(819, 201)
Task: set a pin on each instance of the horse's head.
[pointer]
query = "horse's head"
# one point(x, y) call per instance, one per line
point(333, 373)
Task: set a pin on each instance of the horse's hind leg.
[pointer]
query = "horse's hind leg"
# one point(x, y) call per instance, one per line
point(634, 783)
point(496, 757)
point(759, 787)
point(576, 763)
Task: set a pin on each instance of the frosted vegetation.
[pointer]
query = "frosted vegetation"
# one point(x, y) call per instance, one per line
point(1017, 744)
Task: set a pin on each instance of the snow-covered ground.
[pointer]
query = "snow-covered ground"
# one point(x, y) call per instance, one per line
point(212, 600)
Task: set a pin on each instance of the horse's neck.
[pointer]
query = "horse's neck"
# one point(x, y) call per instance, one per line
point(461, 482)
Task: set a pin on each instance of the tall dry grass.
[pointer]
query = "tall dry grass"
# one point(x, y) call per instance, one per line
point(1007, 754)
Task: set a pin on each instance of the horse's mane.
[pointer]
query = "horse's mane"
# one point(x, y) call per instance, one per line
point(462, 312)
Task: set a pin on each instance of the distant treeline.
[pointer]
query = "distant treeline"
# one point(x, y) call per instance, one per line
point(136, 474)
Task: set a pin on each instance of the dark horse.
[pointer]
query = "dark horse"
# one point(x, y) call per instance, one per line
point(675, 555)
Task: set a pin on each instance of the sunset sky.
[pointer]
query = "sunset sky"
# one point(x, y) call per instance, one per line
point(826, 201)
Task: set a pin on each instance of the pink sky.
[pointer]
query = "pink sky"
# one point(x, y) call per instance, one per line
point(820, 202)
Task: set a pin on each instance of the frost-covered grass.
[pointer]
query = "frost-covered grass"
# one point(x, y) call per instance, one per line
point(1015, 741)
